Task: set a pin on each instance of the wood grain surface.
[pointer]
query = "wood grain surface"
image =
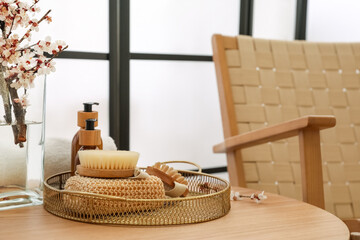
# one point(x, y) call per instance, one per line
point(276, 132)
point(277, 217)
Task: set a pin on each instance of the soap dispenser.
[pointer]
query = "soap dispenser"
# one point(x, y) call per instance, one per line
point(89, 139)
point(87, 113)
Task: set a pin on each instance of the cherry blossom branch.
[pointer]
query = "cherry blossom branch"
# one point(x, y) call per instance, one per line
point(20, 65)
point(20, 128)
point(28, 47)
point(12, 24)
point(35, 2)
point(14, 17)
point(34, 69)
point(4, 90)
point(5, 96)
point(37, 23)
point(2, 26)
point(3, 86)
point(56, 54)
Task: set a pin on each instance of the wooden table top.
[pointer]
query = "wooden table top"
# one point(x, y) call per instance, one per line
point(277, 217)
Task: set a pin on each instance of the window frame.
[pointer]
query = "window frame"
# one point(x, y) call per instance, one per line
point(119, 57)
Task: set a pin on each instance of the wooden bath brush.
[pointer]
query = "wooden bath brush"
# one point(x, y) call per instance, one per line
point(175, 184)
point(107, 164)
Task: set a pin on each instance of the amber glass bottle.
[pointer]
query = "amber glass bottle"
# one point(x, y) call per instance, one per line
point(87, 113)
point(89, 139)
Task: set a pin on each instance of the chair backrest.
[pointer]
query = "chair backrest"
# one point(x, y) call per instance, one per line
point(263, 82)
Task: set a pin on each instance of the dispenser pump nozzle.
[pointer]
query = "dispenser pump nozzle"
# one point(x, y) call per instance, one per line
point(90, 124)
point(88, 106)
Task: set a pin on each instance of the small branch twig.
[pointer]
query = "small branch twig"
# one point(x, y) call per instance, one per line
point(3, 86)
point(28, 47)
point(12, 24)
point(19, 113)
point(35, 2)
point(2, 27)
point(55, 55)
point(5, 96)
point(12, 77)
point(38, 22)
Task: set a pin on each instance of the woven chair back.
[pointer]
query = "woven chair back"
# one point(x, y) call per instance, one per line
point(275, 81)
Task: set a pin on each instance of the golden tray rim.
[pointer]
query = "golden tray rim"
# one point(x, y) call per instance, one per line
point(224, 204)
point(145, 200)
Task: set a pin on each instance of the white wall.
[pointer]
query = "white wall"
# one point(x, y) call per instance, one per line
point(175, 113)
point(84, 26)
point(333, 20)
point(274, 19)
point(75, 82)
point(180, 26)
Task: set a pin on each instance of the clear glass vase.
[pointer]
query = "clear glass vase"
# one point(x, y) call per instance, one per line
point(21, 168)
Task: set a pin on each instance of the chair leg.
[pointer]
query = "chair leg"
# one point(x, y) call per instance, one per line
point(355, 236)
point(353, 225)
point(311, 167)
point(235, 169)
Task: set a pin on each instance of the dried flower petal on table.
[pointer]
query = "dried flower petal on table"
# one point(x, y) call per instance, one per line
point(235, 196)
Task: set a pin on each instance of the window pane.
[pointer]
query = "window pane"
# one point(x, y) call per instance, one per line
point(333, 20)
point(82, 24)
point(175, 112)
point(274, 19)
point(75, 82)
point(180, 26)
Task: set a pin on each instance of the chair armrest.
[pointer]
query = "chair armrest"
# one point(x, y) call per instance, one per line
point(276, 132)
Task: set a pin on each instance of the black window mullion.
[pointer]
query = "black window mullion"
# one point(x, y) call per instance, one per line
point(119, 72)
point(83, 55)
point(246, 17)
point(169, 57)
point(301, 13)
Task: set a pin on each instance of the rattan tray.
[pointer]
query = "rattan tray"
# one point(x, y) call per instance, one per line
point(208, 199)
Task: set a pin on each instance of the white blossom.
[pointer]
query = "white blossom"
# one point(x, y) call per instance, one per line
point(23, 60)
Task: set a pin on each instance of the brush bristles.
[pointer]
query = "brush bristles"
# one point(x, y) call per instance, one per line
point(114, 160)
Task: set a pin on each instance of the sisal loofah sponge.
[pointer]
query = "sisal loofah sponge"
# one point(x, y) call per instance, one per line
point(149, 188)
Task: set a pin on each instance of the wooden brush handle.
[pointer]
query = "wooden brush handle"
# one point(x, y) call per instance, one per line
point(105, 173)
point(163, 176)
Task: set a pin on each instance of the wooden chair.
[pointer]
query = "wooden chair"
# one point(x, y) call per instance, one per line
point(275, 97)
